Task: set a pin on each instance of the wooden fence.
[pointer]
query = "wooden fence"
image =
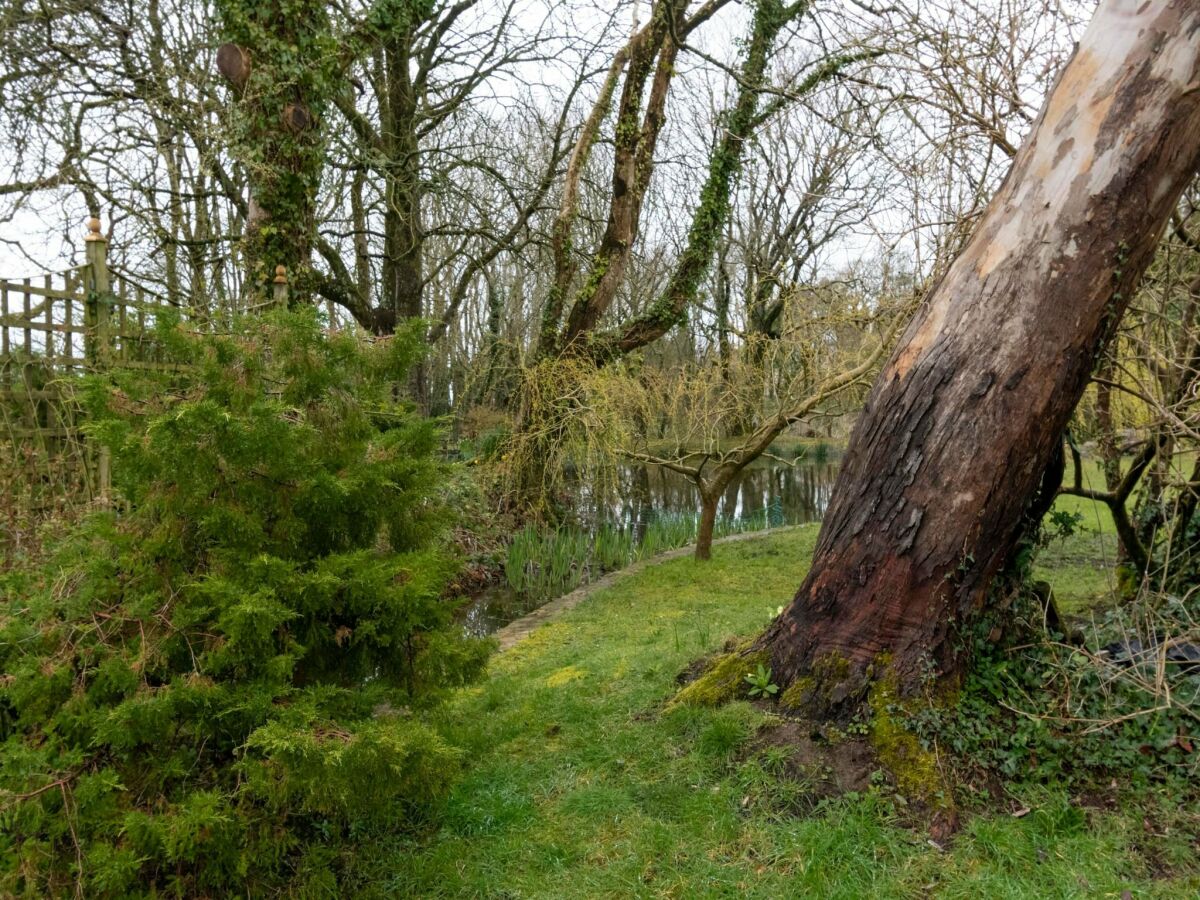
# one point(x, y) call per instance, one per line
point(53, 329)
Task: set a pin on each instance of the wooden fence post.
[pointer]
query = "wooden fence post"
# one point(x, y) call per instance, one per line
point(280, 288)
point(97, 338)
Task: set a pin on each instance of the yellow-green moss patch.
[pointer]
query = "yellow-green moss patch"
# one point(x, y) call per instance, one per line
point(829, 672)
point(565, 675)
point(914, 768)
point(797, 693)
point(723, 680)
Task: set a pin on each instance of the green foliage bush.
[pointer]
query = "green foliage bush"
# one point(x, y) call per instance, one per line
point(207, 691)
point(1051, 712)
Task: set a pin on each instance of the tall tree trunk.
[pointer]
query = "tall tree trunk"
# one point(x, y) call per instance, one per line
point(708, 221)
point(492, 346)
point(362, 245)
point(281, 73)
point(404, 235)
point(633, 154)
point(966, 416)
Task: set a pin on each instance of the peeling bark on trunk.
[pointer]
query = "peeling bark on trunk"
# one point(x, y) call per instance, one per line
point(966, 416)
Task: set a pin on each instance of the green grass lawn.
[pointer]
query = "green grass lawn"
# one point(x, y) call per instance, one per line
point(1080, 567)
point(578, 783)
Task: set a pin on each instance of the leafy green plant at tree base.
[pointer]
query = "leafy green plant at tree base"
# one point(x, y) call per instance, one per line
point(210, 691)
point(760, 683)
point(1047, 712)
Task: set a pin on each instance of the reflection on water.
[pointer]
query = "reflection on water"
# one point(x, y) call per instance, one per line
point(793, 493)
point(769, 492)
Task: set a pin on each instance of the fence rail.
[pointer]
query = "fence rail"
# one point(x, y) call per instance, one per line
point(53, 329)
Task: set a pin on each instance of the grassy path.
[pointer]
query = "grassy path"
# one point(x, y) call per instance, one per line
point(519, 629)
point(578, 783)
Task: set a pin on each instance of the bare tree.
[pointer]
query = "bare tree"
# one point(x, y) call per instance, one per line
point(823, 375)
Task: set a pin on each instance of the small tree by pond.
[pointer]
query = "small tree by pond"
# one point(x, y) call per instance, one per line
point(826, 374)
point(720, 463)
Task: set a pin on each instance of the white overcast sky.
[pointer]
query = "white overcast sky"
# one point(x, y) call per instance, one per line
point(51, 228)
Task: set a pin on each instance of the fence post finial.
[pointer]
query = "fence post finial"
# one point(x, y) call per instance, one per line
point(281, 286)
point(93, 227)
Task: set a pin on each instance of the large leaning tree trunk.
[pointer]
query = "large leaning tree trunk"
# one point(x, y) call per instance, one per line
point(969, 412)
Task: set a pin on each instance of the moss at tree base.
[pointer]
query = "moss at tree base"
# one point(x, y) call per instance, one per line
point(723, 680)
point(797, 693)
point(915, 769)
point(832, 692)
point(827, 685)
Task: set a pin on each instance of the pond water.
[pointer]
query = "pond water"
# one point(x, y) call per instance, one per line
point(788, 493)
point(657, 509)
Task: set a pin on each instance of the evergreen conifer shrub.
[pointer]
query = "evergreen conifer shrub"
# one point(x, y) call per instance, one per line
point(212, 689)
